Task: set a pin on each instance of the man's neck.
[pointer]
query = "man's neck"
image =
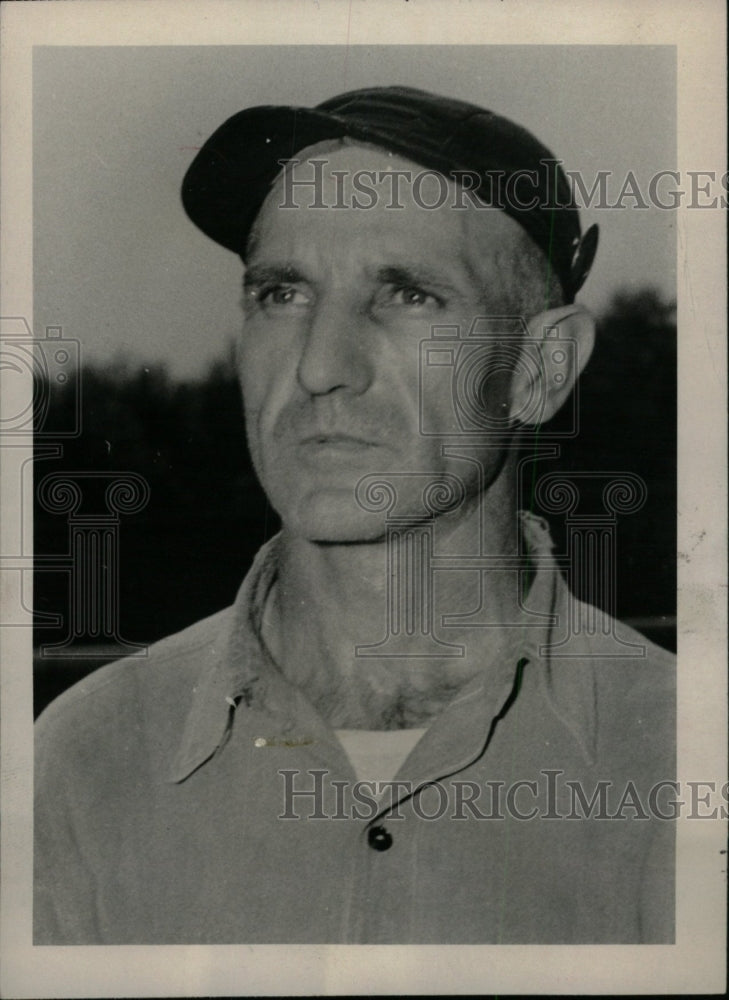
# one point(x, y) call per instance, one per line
point(329, 599)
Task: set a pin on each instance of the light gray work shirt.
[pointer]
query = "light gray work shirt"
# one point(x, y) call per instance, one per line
point(172, 805)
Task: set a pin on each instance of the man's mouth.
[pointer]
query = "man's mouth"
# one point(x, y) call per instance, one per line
point(335, 447)
point(337, 440)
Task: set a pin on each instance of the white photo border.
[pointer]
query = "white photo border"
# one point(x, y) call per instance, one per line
point(696, 963)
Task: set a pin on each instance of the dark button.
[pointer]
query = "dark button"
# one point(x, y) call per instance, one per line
point(379, 838)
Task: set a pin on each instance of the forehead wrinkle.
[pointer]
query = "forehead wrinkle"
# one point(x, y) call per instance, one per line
point(472, 255)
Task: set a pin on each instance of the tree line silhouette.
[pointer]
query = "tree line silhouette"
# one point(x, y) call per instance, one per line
point(183, 556)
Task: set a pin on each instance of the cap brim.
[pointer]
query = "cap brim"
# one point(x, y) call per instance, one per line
point(231, 176)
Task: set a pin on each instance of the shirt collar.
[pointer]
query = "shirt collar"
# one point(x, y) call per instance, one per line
point(568, 683)
point(243, 673)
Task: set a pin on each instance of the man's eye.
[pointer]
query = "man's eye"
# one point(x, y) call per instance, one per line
point(414, 298)
point(281, 296)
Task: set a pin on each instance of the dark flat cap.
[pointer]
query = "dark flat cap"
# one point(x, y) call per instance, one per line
point(509, 168)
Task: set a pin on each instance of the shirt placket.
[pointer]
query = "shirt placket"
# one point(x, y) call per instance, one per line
point(385, 849)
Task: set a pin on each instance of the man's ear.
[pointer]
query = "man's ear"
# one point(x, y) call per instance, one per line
point(556, 349)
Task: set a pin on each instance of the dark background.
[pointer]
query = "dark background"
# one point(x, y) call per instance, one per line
point(183, 556)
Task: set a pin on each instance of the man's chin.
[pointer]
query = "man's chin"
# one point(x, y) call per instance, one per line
point(333, 517)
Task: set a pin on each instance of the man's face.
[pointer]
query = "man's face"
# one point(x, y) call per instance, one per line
point(337, 302)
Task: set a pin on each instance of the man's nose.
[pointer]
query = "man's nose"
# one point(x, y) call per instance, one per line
point(335, 351)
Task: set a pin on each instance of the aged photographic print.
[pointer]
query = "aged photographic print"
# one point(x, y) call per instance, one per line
point(354, 487)
point(405, 691)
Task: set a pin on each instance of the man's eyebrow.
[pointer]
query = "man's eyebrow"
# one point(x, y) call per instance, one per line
point(264, 274)
point(416, 274)
point(412, 274)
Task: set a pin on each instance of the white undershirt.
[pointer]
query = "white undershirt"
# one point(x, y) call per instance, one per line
point(378, 754)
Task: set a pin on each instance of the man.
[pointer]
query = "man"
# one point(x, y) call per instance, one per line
point(401, 732)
